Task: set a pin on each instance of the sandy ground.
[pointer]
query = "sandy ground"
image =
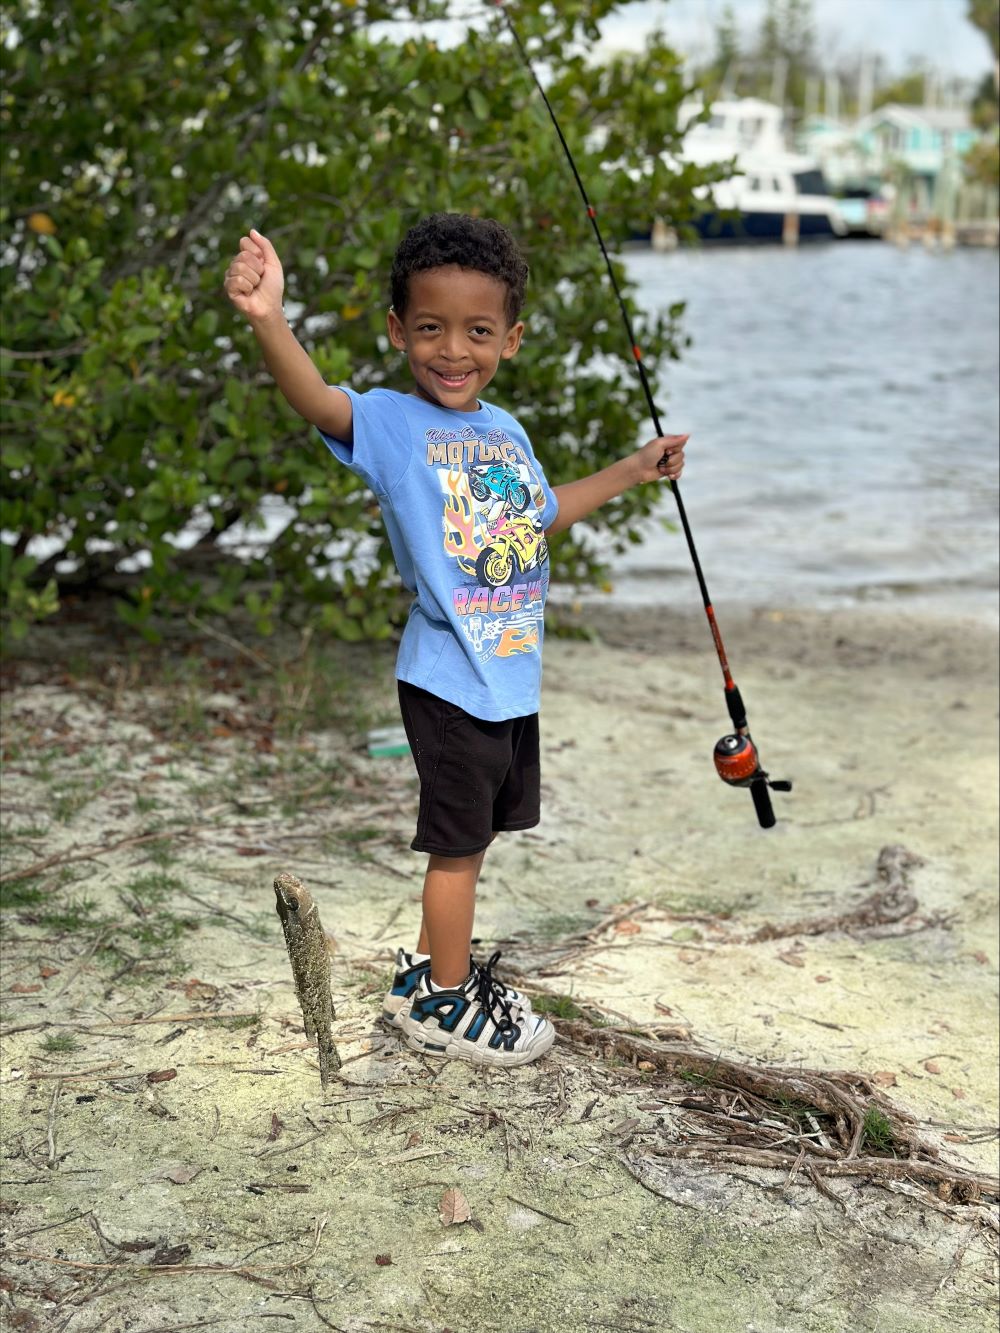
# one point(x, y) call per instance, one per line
point(169, 1160)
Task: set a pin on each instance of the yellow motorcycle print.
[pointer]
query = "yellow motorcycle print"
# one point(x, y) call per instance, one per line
point(516, 545)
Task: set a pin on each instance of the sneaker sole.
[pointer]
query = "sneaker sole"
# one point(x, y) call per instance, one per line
point(458, 1050)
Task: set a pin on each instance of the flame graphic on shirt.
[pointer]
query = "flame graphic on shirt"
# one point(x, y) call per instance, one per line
point(517, 639)
point(461, 528)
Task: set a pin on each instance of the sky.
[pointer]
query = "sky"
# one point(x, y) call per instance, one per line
point(935, 31)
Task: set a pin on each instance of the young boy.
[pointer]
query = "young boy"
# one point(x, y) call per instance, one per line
point(467, 510)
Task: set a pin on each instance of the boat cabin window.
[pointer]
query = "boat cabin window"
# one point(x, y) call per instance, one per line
point(810, 182)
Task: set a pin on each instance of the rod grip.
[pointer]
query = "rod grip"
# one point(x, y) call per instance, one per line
point(734, 702)
point(762, 804)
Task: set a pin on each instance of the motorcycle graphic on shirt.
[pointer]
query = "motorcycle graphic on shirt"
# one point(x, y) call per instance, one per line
point(516, 546)
point(493, 502)
point(503, 482)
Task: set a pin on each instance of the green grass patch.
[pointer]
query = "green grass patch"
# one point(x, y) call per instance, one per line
point(692, 1076)
point(560, 924)
point(60, 1043)
point(558, 1006)
point(240, 1023)
point(357, 835)
point(153, 887)
point(69, 799)
point(20, 893)
point(878, 1135)
point(161, 851)
point(75, 915)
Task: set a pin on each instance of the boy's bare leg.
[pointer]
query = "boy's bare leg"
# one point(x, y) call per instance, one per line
point(449, 909)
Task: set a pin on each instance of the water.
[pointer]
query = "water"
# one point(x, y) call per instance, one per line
point(843, 408)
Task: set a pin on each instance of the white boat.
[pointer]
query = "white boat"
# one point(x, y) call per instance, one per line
point(773, 193)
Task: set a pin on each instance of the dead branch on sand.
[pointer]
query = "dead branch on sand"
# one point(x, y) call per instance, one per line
point(307, 953)
point(828, 1123)
point(891, 903)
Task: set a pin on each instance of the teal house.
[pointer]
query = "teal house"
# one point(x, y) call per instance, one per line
point(920, 148)
point(911, 153)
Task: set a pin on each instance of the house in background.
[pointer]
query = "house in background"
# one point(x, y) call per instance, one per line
point(844, 159)
point(920, 149)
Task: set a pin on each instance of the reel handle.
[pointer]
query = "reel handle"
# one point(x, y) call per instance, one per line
point(762, 804)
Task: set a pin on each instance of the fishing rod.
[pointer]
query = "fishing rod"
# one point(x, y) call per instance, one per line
point(737, 760)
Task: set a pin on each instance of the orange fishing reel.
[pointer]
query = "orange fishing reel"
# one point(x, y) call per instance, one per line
point(738, 764)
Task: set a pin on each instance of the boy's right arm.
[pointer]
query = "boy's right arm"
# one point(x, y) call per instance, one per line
point(255, 284)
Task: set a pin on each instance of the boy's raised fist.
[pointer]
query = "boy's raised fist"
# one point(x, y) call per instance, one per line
point(254, 280)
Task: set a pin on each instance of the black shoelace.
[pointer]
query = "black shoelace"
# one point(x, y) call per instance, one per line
point(492, 995)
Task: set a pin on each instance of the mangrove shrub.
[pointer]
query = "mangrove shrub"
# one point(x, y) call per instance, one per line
point(144, 445)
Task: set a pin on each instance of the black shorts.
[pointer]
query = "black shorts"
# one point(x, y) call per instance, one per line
point(477, 778)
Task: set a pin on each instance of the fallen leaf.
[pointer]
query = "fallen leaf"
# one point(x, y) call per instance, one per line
point(627, 928)
point(688, 956)
point(884, 1078)
point(931, 1067)
point(383, 1260)
point(592, 903)
point(626, 1126)
point(23, 1321)
point(412, 1139)
point(959, 1093)
point(161, 1075)
point(173, 1254)
point(645, 1065)
point(180, 1175)
point(954, 1138)
point(19, 988)
point(46, 972)
point(684, 933)
point(200, 990)
point(980, 957)
point(454, 1207)
point(792, 959)
point(822, 979)
point(250, 851)
point(276, 1127)
point(136, 1246)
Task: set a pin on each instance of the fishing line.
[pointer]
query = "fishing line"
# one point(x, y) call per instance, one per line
point(736, 758)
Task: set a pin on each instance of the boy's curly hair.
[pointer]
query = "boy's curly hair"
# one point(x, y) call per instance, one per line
point(454, 238)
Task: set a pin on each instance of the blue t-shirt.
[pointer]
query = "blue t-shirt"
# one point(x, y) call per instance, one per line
point(465, 506)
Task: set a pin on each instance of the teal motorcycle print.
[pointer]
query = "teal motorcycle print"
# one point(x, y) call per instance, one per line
point(501, 481)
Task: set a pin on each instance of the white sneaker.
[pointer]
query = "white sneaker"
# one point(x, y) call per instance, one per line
point(410, 967)
point(477, 1021)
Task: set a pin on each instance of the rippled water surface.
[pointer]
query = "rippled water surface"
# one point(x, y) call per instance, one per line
point(843, 407)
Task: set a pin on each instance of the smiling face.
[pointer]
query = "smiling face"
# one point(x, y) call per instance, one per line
point(454, 332)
